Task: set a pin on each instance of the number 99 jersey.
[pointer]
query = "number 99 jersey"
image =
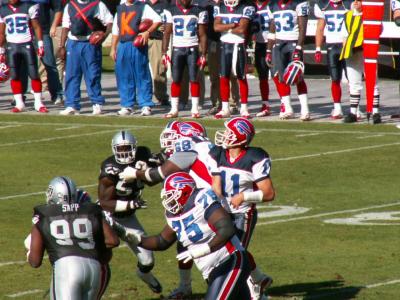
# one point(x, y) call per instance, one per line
point(71, 230)
point(285, 18)
point(17, 21)
point(184, 24)
point(191, 227)
point(333, 15)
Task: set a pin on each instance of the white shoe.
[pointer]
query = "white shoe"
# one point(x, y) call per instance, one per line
point(172, 114)
point(97, 109)
point(222, 114)
point(360, 114)
point(151, 281)
point(305, 117)
point(146, 111)
point(125, 111)
point(245, 113)
point(337, 114)
point(69, 111)
point(286, 112)
point(181, 292)
point(259, 287)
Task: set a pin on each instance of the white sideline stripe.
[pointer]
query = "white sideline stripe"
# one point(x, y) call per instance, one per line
point(208, 127)
point(273, 160)
point(9, 126)
point(329, 214)
point(367, 137)
point(17, 262)
point(371, 286)
point(307, 134)
point(68, 128)
point(20, 294)
point(335, 152)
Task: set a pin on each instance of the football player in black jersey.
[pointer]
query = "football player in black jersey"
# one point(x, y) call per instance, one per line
point(122, 198)
point(77, 239)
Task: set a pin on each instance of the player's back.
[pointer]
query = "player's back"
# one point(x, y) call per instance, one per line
point(71, 230)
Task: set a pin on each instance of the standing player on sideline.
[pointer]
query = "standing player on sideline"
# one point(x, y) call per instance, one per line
point(122, 198)
point(186, 145)
point(188, 25)
point(330, 15)
point(289, 24)
point(232, 20)
point(260, 28)
point(77, 240)
point(16, 23)
point(241, 177)
point(196, 218)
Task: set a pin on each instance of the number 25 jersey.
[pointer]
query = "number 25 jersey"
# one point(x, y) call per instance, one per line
point(285, 18)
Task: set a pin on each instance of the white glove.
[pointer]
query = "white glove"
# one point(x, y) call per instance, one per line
point(27, 242)
point(141, 165)
point(194, 252)
point(133, 236)
point(128, 175)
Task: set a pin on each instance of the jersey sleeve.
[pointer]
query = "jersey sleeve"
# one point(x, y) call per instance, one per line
point(149, 13)
point(261, 170)
point(167, 16)
point(33, 11)
point(110, 171)
point(249, 12)
point(318, 13)
point(104, 14)
point(115, 27)
point(184, 160)
point(303, 9)
point(395, 5)
point(203, 17)
point(213, 161)
point(66, 21)
point(216, 11)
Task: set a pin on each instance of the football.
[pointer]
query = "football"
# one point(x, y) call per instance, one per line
point(145, 25)
point(138, 41)
point(96, 38)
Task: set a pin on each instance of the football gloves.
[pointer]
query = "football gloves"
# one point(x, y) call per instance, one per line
point(166, 60)
point(40, 49)
point(201, 62)
point(194, 252)
point(128, 174)
point(268, 58)
point(318, 55)
point(133, 236)
point(297, 54)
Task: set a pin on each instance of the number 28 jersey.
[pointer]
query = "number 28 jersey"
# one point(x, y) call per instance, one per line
point(71, 230)
point(185, 23)
point(333, 15)
point(285, 17)
point(240, 174)
point(192, 228)
point(17, 21)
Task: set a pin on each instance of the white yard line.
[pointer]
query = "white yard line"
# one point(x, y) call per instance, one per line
point(9, 126)
point(68, 128)
point(20, 294)
point(307, 134)
point(329, 214)
point(369, 136)
point(9, 263)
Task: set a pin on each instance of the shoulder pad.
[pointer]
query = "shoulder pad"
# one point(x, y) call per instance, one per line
point(216, 151)
point(257, 153)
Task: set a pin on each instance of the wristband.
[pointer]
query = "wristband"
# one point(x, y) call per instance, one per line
point(269, 51)
point(2, 50)
point(40, 44)
point(121, 206)
point(253, 197)
point(147, 175)
point(318, 49)
point(200, 250)
point(298, 47)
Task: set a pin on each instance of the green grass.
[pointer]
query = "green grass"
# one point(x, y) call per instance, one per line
point(307, 257)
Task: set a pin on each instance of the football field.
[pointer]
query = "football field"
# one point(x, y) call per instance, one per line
point(332, 232)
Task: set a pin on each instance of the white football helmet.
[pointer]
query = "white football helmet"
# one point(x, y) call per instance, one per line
point(124, 147)
point(61, 190)
point(231, 3)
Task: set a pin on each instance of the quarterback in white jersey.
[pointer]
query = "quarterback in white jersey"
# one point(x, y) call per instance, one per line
point(197, 219)
point(187, 23)
point(330, 15)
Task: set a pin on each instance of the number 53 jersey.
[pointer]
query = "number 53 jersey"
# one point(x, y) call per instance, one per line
point(184, 24)
point(285, 18)
point(192, 228)
point(71, 230)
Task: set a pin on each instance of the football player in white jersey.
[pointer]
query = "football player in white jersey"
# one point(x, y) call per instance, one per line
point(288, 28)
point(186, 147)
point(330, 15)
point(187, 23)
point(17, 20)
point(232, 20)
point(196, 218)
point(260, 29)
point(241, 177)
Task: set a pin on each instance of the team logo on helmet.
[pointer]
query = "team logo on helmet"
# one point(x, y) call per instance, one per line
point(179, 182)
point(242, 127)
point(187, 129)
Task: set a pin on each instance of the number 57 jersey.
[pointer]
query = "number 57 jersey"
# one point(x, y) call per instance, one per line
point(71, 230)
point(192, 228)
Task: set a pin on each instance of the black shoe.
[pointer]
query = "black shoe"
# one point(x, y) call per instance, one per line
point(350, 118)
point(376, 118)
point(234, 110)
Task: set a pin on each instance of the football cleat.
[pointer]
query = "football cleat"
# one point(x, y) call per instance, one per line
point(336, 114)
point(213, 110)
point(151, 281)
point(259, 288)
point(286, 112)
point(69, 111)
point(376, 118)
point(146, 111)
point(350, 118)
point(171, 114)
point(264, 111)
point(245, 114)
point(42, 109)
point(181, 292)
point(305, 117)
point(222, 114)
point(125, 111)
point(17, 110)
point(196, 115)
point(97, 109)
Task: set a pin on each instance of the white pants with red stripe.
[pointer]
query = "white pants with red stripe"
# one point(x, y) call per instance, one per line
point(76, 277)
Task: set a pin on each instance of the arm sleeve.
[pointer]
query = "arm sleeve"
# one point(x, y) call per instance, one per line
point(249, 12)
point(395, 4)
point(34, 11)
point(184, 160)
point(149, 13)
point(203, 17)
point(66, 22)
point(318, 12)
point(167, 16)
point(262, 169)
point(115, 28)
point(303, 9)
point(104, 14)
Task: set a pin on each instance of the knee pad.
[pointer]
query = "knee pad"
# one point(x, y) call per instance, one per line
point(145, 268)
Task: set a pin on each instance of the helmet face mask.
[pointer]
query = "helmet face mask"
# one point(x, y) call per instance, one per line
point(124, 147)
point(238, 132)
point(231, 3)
point(61, 190)
point(335, 1)
point(178, 187)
